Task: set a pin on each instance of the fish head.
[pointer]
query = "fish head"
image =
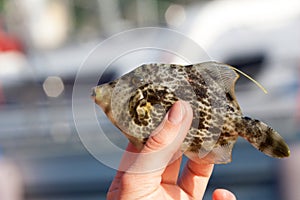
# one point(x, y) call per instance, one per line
point(102, 95)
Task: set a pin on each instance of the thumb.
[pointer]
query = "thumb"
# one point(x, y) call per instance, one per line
point(165, 141)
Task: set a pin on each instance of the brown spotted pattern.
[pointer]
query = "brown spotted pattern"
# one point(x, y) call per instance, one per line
point(138, 101)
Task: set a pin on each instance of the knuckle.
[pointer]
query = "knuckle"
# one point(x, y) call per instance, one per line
point(157, 141)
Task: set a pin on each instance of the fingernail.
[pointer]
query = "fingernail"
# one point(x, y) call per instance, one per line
point(176, 113)
point(229, 196)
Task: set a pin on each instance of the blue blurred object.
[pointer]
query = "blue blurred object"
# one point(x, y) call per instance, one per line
point(1, 152)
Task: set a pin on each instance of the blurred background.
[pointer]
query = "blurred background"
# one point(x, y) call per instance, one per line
point(44, 42)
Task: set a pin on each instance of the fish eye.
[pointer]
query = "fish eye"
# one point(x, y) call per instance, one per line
point(136, 80)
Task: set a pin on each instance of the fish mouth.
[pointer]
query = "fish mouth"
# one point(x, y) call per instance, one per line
point(93, 93)
point(101, 95)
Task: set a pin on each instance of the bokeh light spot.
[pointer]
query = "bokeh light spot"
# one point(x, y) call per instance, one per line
point(53, 86)
point(175, 15)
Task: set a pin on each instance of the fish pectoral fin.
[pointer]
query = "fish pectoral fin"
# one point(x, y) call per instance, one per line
point(263, 137)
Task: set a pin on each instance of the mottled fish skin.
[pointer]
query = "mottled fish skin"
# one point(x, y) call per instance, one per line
point(138, 101)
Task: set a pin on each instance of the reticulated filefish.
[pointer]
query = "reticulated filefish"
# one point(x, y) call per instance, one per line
point(138, 101)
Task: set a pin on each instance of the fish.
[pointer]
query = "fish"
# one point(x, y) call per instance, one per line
point(137, 102)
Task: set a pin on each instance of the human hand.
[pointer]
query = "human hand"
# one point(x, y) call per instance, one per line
point(152, 173)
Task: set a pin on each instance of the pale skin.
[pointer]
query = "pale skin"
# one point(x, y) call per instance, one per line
point(142, 178)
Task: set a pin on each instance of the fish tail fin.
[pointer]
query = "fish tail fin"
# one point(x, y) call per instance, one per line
point(263, 137)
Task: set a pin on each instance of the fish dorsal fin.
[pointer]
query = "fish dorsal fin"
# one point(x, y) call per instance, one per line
point(221, 74)
point(250, 78)
point(226, 76)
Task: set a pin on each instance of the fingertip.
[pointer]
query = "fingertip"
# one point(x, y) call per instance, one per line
point(187, 107)
point(179, 111)
point(222, 194)
point(176, 112)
